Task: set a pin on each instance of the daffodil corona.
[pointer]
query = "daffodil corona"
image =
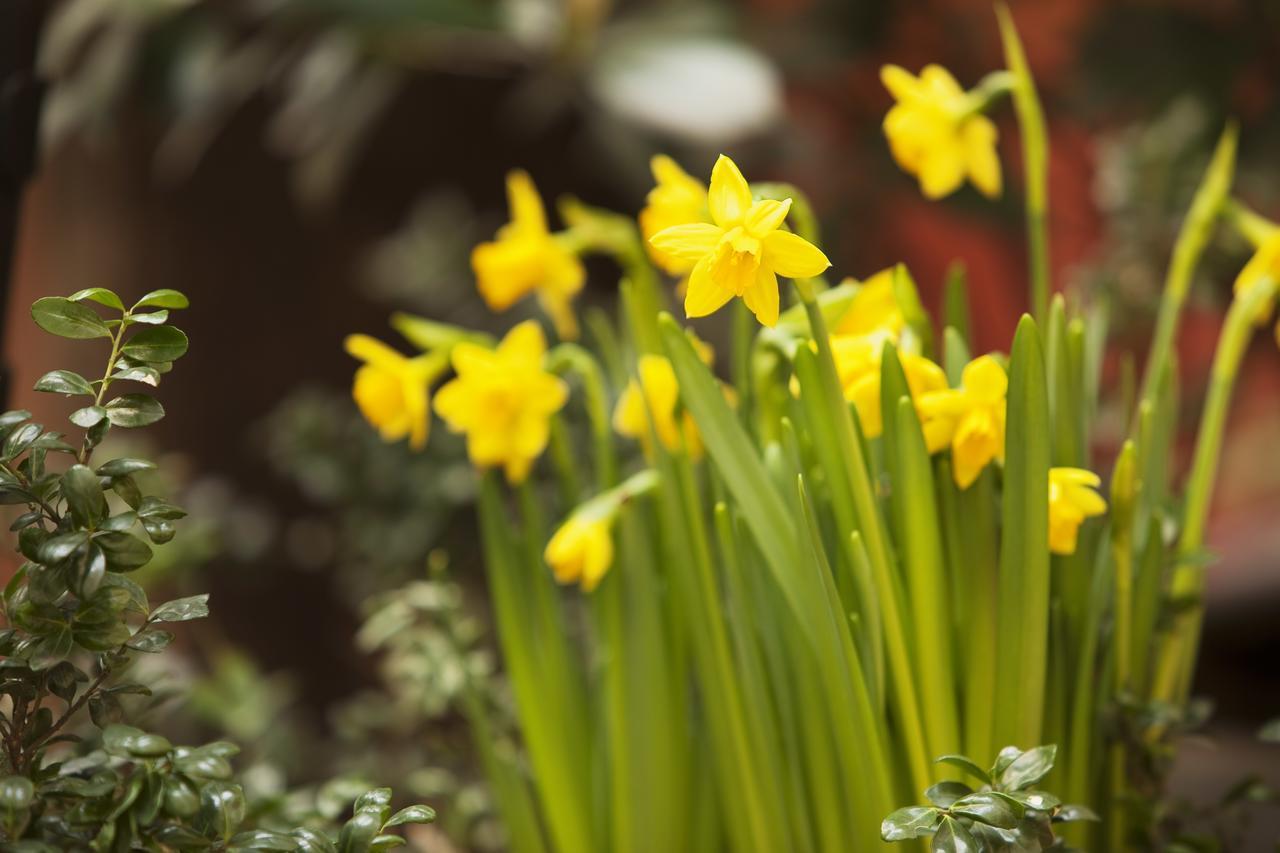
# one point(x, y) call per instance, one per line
point(1072, 499)
point(527, 258)
point(937, 134)
point(741, 252)
point(392, 390)
point(503, 400)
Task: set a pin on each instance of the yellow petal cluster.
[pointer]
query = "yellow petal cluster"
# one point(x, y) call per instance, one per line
point(526, 258)
point(656, 394)
point(935, 134)
point(392, 390)
point(581, 550)
point(1072, 499)
point(741, 252)
point(874, 309)
point(677, 198)
point(503, 400)
point(858, 367)
point(970, 419)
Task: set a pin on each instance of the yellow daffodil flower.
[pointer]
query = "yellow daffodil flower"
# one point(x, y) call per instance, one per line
point(503, 400)
point(657, 394)
point(874, 309)
point(526, 258)
point(1265, 264)
point(581, 550)
point(392, 390)
point(858, 367)
point(1072, 499)
point(969, 419)
point(678, 198)
point(741, 252)
point(936, 135)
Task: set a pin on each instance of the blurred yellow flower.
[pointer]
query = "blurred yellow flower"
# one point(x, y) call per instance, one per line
point(969, 419)
point(392, 390)
point(526, 257)
point(874, 309)
point(677, 199)
point(935, 133)
point(1265, 264)
point(657, 394)
point(582, 549)
point(503, 400)
point(1072, 499)
point(741, 252)
point(858, 367)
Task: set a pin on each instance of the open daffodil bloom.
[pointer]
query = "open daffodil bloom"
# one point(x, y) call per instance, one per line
point(526, 258)
point(503, 400)
point(969, 419)
point(935, 133)
point(741, 252)
point(581, 551)
point(391, 390)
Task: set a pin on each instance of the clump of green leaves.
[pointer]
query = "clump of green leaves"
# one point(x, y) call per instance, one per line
point(1005, 812)
point(73, 774)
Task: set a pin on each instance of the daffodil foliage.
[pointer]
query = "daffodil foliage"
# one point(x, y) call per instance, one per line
point(744, 598)
point(74, 775)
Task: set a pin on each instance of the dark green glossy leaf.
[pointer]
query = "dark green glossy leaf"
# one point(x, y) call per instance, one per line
point(147, 375)
point(412, 814)
point(16, 793)
point(966, 764)
point(1028, 768)
point(100, 295)
point(134, 410)
point(154, 318)
point(163, 298)
point(987, 808)
point(68, 319)
point(953, 837)
point(222, 808)
point(945, 793)
point(358, 833)
point(88, 416)
point(1070, 813)
point(105, 710)
point(182, 609)
point(124, 551)
point(64, 382)
point(125, 465)
point(151, 641)
point(55, 549)
point(911, 822)
point(156, 344)
point(128, 741)
point(20, 439)
point(262, 839)
point(82, 491)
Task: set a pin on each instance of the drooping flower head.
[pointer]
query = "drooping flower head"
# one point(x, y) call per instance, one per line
point(1264, 265)
point(657, 394)
point(874, 310)
point(741, 252)
point(392, 390)
point(503, 400)
point(677, 198)
point(970, 419)
point(527, 258)
point(581, 550)
point(1072, 499)
point(935, 133)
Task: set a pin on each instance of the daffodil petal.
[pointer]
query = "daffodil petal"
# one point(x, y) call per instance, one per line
point(942, 171)
point(527, 213)
point(793, 256)
point(373, 351)
point(524, 344)
point(900, 82)
point(730, 196)
point(705, 295)
point(979, 134)
point(690, 242)
point(766, 215)
point(761, 296)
